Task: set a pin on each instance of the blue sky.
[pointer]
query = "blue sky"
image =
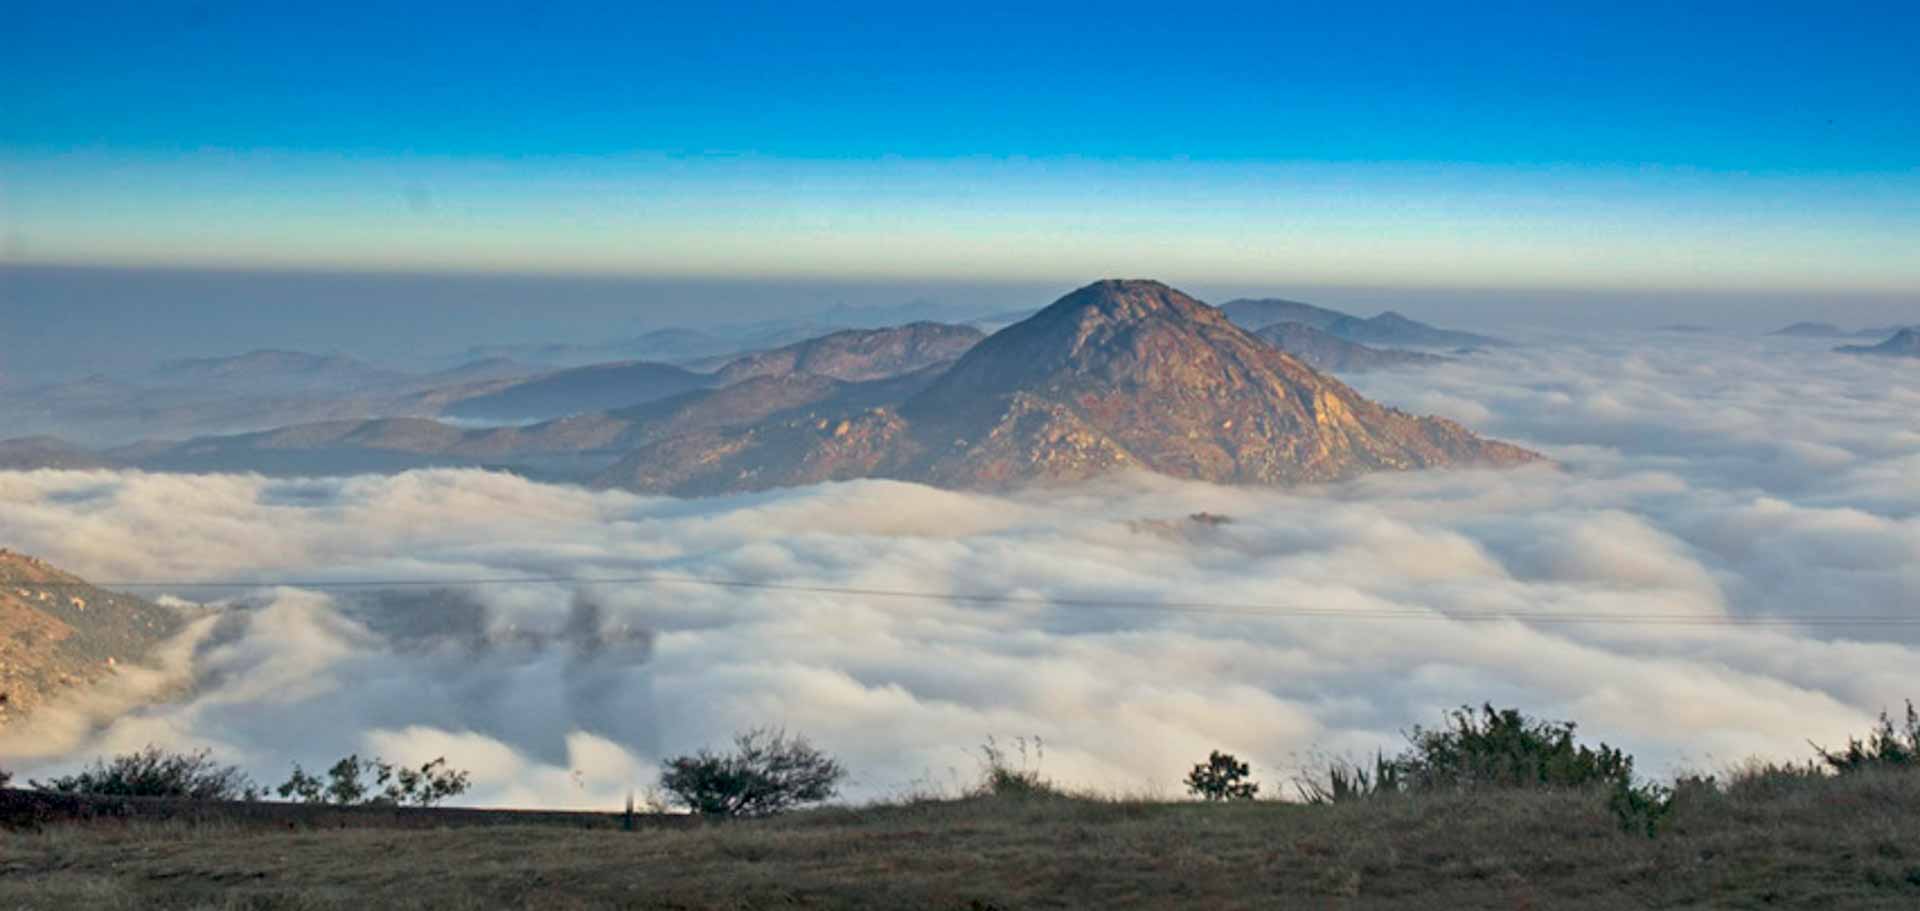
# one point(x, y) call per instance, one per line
point(1689, 146)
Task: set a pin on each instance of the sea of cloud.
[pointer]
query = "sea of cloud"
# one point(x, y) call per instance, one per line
point(1681, 582)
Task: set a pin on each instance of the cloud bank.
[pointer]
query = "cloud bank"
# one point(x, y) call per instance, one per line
point(1675, 584)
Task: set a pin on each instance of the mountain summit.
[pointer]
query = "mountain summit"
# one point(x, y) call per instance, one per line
point(1121, 374)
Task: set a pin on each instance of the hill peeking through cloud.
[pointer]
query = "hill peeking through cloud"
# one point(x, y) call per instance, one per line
point(1117, 375)
point(1904, 343)
point(1176, 389)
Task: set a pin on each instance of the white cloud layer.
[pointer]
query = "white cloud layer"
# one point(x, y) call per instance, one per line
point(1706, 479)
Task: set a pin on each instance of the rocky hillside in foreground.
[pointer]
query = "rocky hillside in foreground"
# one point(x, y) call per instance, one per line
point(1329, 352)
point(59, 633)
point(1118, 375)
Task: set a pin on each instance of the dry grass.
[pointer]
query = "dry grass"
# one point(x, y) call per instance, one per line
point(1852, 843)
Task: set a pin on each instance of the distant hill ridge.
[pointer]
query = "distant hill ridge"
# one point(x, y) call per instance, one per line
point(1903, 344)
point(1829, 330)
point(1329, 352)
point(1386, 328)
point(851, 355)
point(860, 354)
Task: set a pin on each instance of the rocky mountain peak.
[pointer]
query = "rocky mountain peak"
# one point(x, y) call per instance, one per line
point(1124, 300)
point(1113, 329)
point(1118, 375)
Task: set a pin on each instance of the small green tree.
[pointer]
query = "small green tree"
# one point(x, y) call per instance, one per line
point(766, 773)
point(153, 772)
point(1886, 746)
point(1221, 777)
point(360, 782)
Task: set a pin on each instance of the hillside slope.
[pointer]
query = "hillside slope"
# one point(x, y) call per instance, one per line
point(1842, 843)
point(57, 633)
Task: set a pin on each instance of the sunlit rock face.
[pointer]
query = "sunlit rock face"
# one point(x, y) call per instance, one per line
point(1117, 375)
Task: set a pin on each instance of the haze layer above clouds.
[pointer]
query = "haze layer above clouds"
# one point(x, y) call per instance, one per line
point(1706, 487)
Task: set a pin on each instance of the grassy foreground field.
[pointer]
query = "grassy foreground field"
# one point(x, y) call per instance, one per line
point(1852, 842)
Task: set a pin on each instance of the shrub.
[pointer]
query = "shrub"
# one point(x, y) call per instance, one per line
point(1484, 748)
point(1887, 746)
point(1221, 777)
point(1002, 776)
point(766, 773)
point(153, 772)
point(1769, 780)
point(1346, 781)
point(1505, 749)
point(347, 784)
point(1648, 808)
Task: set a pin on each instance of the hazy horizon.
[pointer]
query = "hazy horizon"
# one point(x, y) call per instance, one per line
point(63, 321)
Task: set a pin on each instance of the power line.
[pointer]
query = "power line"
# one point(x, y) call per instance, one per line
point(1172, 606)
